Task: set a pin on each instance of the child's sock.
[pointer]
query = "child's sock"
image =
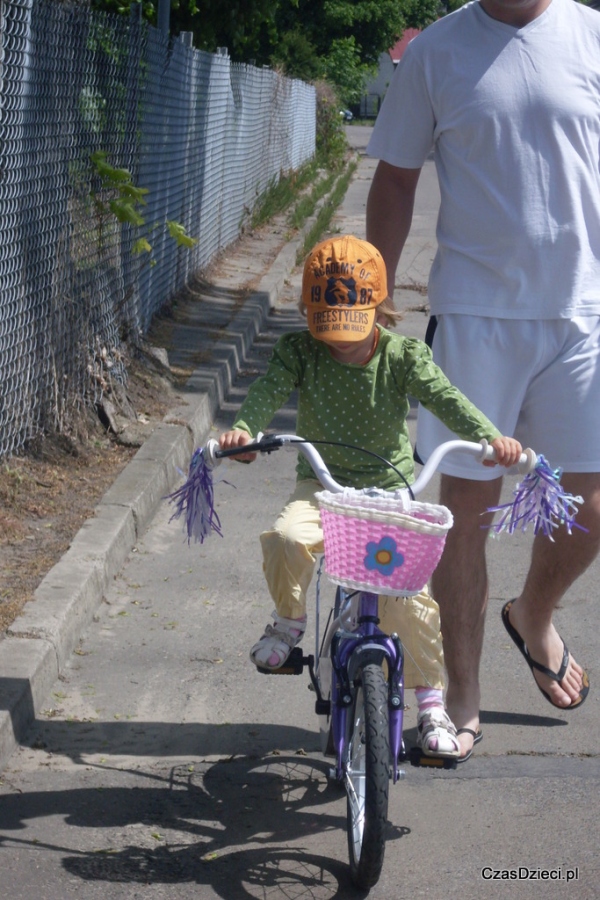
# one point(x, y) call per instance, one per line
point(427, 697)
point(295, 632)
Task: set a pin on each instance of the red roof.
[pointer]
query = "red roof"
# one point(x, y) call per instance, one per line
point(398, 49)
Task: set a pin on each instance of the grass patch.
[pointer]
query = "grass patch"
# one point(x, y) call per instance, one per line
point(302, 191)
point(281, 194)
point(307, 205)
point(326, 213)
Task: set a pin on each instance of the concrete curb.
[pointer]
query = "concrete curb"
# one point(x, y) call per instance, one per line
point(40, 642)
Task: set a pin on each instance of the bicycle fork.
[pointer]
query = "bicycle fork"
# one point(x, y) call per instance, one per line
point(349, 654)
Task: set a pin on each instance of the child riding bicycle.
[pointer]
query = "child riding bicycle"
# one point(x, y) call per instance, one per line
point(354, 378)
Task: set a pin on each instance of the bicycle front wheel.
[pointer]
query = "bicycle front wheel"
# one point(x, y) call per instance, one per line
point(368, 777)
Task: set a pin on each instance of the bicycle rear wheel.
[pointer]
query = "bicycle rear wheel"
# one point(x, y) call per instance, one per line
point(368, 777)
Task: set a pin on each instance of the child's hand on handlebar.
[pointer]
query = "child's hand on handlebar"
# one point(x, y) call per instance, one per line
point(507, 452)
point(237, 438)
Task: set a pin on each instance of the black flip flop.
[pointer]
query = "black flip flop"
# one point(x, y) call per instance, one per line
point(476, 735)
point(555, 676)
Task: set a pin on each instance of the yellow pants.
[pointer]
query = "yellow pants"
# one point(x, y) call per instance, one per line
point(289, 551)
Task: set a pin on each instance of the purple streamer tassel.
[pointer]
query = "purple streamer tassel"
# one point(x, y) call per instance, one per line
point(541, 501)
point(195, 500)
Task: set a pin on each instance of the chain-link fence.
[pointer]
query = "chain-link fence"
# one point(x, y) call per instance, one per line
point(204, 136)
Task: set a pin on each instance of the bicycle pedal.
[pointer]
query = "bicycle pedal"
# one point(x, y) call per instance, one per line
point(294, 665)
point(418, 758)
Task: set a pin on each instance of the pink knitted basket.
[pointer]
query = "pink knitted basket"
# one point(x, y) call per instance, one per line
point(375, 543)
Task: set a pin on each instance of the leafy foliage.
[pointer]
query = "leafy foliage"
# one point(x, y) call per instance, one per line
point(295, 55)
point(340, 40)
point(336, 40)
point(118, 196)
point(372, 25)
point(343, 68)
point(331, 137)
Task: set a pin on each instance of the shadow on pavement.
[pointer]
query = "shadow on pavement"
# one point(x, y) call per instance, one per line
point(493, 717)
point(228, 824)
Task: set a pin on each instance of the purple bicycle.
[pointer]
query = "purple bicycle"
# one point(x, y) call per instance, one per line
point(376, 543)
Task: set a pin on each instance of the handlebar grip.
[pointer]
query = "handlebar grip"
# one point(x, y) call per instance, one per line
point(527, 461)
point(253, 447)
point(263, 444)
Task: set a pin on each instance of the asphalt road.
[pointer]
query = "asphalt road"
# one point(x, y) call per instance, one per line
point(165, 766)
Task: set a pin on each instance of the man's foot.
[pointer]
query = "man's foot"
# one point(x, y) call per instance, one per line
point(476, 735)
point(560, 679)
point(462, 704)
point(468, 736)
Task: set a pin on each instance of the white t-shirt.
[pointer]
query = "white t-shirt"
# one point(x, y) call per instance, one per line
point(514, 117)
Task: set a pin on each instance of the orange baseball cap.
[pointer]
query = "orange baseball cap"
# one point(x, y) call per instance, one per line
point(344, 282)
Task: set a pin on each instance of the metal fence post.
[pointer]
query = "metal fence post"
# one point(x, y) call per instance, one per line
point(163, 16)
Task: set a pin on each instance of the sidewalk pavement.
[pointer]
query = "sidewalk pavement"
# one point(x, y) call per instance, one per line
point(218, 332)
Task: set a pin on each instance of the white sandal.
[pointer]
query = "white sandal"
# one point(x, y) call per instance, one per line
point(278, 641)
point(436, 733)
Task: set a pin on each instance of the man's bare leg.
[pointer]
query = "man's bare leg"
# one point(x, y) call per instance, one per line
point(554, 568)
point(460, 587)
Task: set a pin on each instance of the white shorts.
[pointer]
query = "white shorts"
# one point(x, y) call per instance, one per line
point(538, 381)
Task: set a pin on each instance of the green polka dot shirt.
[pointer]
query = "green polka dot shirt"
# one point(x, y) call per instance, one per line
point(362, 405)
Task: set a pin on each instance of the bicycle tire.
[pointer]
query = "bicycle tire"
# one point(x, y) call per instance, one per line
point(368, 777)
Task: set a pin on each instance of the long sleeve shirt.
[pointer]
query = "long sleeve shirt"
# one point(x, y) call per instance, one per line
point(364, 406)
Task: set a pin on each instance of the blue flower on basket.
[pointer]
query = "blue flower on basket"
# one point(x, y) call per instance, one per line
point(383, 556)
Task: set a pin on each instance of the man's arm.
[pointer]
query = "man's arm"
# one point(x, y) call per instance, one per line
point(389, 213)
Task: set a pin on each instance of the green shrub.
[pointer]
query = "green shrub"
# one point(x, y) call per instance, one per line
point(332, 145)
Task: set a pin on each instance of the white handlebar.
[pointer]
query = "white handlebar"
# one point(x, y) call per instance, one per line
point(307, 449)
point(482, 451)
